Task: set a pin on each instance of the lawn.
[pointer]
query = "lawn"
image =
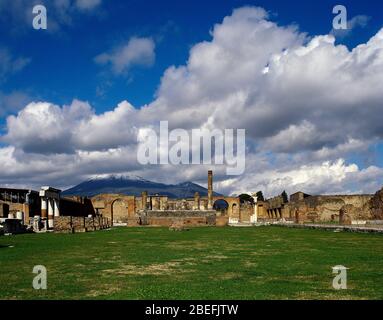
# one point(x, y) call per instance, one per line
point(203, 263)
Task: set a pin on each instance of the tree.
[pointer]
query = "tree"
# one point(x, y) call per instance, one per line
point(246, 198)
point(285, 197)
point(260, 196)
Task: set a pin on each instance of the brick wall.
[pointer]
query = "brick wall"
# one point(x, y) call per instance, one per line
point(222, 221)
point(169, 217)
point(186, 221)
point(80, 224)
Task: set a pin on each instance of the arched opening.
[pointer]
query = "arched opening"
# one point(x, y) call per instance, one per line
point(221, 206)
point(119, 211)
point(235, 209)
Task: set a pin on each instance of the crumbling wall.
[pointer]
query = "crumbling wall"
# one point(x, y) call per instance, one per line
point(168, 217)
point(376, 206)
point(327, 208)
point(80, 224)
point(246, 211)
point(116, 207)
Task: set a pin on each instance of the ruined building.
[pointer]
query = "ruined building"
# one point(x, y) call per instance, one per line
point(48, 210)
point(159, 210)
point(303, 208)
point(44, 210)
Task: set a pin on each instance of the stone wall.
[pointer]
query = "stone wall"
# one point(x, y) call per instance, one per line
point(15, 207)
point(167, 218)
point(376, 206)
point(116, 207)
point(124, 209)
point(246, 211)
point(262, 208)
point(222, 221)
point(80, 224)
point(327, 208)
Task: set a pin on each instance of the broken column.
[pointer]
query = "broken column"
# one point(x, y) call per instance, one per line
point(50, 213)
point(26, 208)
point(196, 201)
point(144, 199)
point(50, 198)
point(156, 203)
point(254, 217)
point(44, 212)
point(210, 190)
point(163, 203)
point(57, 207)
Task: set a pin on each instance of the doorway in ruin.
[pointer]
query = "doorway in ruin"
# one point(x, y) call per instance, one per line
point(221, 206)
point(119, 211)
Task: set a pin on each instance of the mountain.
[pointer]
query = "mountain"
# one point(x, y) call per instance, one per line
point(134, 185)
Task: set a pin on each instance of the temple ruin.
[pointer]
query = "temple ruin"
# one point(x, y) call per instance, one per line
point(160, 210)
point(47, 210)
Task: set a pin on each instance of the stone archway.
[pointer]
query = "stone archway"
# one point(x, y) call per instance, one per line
point(221, 206)
point(119, 211)
point(235, 210)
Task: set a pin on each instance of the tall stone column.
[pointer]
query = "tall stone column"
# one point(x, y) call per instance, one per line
point(254, 218)
point(196, 201)
point(57, 207)
point(210, 190)
point(163, 203)
point(156, 203)
point(26, 213)
point(44, 212)
point(50, 213)
point(144, 199)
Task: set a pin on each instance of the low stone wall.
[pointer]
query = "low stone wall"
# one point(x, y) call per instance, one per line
point(334, 228)
point(187, 221)
point(222, 221)
point(192, 218)
point(317, 209)
point(80, 224)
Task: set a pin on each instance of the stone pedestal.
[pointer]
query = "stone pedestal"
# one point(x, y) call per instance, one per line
point(210, 190)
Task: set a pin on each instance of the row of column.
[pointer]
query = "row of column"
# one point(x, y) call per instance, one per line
point(158, 204)
point(275, 213)
point(50, 208)
point(197, 199)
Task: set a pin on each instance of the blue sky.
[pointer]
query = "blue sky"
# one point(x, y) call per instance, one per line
point(175, 27)
point(61, 65)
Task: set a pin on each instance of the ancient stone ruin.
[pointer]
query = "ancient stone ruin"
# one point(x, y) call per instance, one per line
point(376, 206)
point(46, 210)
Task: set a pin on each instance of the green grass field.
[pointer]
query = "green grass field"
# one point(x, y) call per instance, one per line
point(203, 263)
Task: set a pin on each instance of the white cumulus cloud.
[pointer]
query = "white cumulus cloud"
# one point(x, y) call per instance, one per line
point(317, 104)
point(137, 51)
